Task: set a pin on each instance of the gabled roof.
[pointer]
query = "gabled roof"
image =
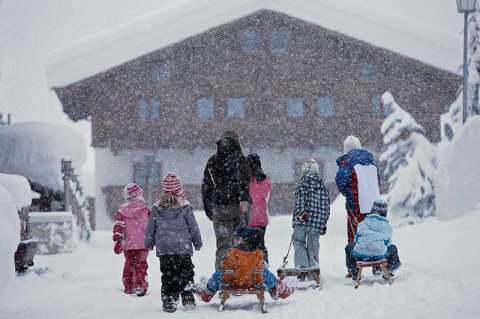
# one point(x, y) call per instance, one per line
point(179, 20)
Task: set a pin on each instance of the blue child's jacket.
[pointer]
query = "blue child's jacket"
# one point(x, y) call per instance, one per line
point(374, 235)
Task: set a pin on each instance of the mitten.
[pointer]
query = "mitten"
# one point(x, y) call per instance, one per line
point(303, 217)
point(118, 249)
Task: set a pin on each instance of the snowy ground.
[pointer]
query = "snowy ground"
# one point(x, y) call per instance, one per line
point(438, 279)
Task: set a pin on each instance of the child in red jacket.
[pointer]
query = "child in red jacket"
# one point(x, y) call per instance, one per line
point(130, 224)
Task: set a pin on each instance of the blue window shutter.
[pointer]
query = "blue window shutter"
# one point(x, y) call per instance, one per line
point(142, 109)
point(155, 112)
point(279, 41)
point(296, 107)
point(325, 106)
point(236, 108)
point(205, 108)
point(250, 41)
point(368, 72)
point(376, 104)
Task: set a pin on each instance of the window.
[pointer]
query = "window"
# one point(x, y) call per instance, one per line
point(160, 73)
point(297, 168)
point(205, 108)
point(368, 72)
point(376, 104)
point(148, 111)
point(155, 111)
point(236, 108)
point(250, 41)
point(148, 172)
point(295, 107)
point(142, 109)
point(279, 42)
point(325, 106)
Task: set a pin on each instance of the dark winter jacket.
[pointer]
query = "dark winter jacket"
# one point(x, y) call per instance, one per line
point(347, 179)
point(173, 231)
point(226, 177)
point(312, 197)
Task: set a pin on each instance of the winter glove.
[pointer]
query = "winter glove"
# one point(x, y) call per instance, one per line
point(303, 217)
point(118, 249)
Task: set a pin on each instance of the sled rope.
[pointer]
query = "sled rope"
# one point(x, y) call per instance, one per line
point(285, 259)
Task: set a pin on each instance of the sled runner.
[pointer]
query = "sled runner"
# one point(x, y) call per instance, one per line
point(308, 272)
point(380, 263)
point(227, 292)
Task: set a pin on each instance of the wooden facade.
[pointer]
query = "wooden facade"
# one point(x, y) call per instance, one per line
point(279, 82)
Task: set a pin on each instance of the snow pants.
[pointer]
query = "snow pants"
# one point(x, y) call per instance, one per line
point(177, 272)
point(269, 280)
point(306, 244)
point(226, 220)
point(393, 261)
point(135, 270)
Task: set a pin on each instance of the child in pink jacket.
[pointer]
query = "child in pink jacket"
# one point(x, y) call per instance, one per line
point(260, 190)
point(130, 224)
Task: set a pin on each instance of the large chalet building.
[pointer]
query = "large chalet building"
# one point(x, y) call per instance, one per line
point(291, 89)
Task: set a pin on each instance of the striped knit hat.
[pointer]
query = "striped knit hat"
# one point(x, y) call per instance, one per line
point(132, 191)
point(380, 207)
point(172, 184)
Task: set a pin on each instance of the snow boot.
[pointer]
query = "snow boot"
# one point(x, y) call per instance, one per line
point(169, 303)
point(282, 290)
point(139, 292)
point(377, 270)
point(188, 300)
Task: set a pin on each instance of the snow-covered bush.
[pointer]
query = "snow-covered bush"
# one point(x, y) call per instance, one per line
point(35, 150)
point(410, 163)
point(457, 180)
point(9, 235)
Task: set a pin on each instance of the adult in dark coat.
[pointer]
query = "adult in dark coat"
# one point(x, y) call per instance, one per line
point(225, 192)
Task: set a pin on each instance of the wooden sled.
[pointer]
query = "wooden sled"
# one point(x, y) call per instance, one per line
point(225, 293)
point(366, 264)
point(313, 272)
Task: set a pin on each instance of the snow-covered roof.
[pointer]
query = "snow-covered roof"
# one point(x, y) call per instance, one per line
point(394, 28)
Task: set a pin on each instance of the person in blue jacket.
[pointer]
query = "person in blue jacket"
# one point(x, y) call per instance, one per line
point(373, 240)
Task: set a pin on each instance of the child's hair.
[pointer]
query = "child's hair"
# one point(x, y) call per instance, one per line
point(256, 166)
point(167, 201)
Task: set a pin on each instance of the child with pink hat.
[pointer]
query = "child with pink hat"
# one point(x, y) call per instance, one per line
point(130, 223)
point(173, 229)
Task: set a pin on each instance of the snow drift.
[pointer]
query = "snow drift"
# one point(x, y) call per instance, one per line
point(457, 179)
point(9, 235)
point(19, 189)
point(35, 150)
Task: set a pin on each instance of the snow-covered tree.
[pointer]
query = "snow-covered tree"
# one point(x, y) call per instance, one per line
point(452, 120)
point(410, 163)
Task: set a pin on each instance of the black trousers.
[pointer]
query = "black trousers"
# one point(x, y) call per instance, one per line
point(177, 272)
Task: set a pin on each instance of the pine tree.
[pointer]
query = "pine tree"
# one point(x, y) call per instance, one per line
point(410, 163)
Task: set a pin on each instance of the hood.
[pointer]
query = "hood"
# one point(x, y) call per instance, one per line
point(228, 143)
point(359, 156)
point(133, 208)
point(375, 222)
point(314, 180)
point(169, 213)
